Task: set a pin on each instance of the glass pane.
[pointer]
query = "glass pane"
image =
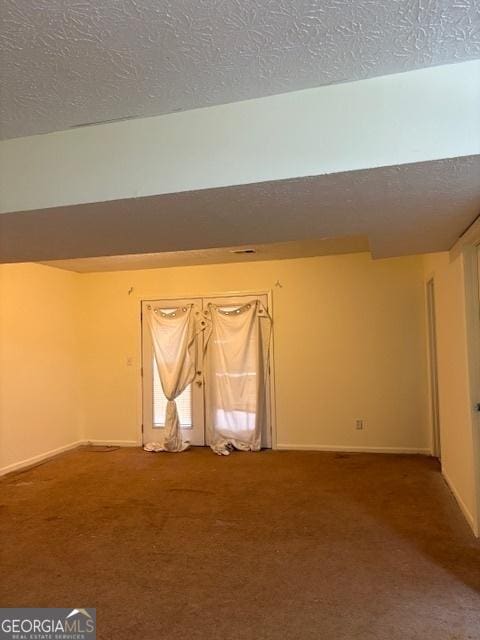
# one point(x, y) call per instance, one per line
point(184, 404)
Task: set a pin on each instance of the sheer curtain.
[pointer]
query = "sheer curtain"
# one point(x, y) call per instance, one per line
point(173, 339)
point(236, 361)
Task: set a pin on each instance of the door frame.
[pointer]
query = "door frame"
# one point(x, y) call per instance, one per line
point(218, 294)
point(466, 249)
point(471, 268)
point(433, 367)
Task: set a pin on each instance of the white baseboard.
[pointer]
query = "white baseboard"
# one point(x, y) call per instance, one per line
point(113, 443)
point(29, 462)
point(353, 449)
point(466, 512)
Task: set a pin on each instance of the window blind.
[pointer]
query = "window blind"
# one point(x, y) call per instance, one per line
point(184, 404)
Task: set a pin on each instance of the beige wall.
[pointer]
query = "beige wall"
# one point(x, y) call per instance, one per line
point(349, 343)
point(38, 362)
point(453, 379)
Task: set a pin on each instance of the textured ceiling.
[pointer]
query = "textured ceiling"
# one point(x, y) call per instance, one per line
point(274, 251)
point(69, 62)
point(405, 209)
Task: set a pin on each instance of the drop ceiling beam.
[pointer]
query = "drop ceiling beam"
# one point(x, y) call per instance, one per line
point(418, 116)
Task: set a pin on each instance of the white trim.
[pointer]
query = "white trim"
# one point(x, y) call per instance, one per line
point(466, 512)
point(271, 377)
point(353, 449)
point(140, 369)
point(432, 365)
point(112, 443)
point(33, 460)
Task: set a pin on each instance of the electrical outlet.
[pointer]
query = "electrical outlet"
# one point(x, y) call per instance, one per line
point(360, 424)
point(129, 361)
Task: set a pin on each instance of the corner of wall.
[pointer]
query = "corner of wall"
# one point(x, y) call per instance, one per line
point(38, 399)
point(454, 378)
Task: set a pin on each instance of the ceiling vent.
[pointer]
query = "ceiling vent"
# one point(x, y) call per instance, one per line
point(242, 251)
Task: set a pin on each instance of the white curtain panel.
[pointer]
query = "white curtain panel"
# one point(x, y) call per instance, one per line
point(173, 339)
point(235, 382)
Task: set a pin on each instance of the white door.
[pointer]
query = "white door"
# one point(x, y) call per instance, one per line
point(262, 405)
point(190, 404)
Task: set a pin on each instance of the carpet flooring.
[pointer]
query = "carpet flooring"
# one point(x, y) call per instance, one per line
point(255, 546)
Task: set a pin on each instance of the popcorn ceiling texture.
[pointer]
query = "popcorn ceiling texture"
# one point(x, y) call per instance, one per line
point(411, 208)
point(69, 62)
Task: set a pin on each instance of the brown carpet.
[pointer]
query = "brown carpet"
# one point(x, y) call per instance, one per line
point(271, 545)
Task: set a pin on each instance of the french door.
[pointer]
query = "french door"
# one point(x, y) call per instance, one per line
point(193, 404)
point(190, 404)
point(245, 409)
